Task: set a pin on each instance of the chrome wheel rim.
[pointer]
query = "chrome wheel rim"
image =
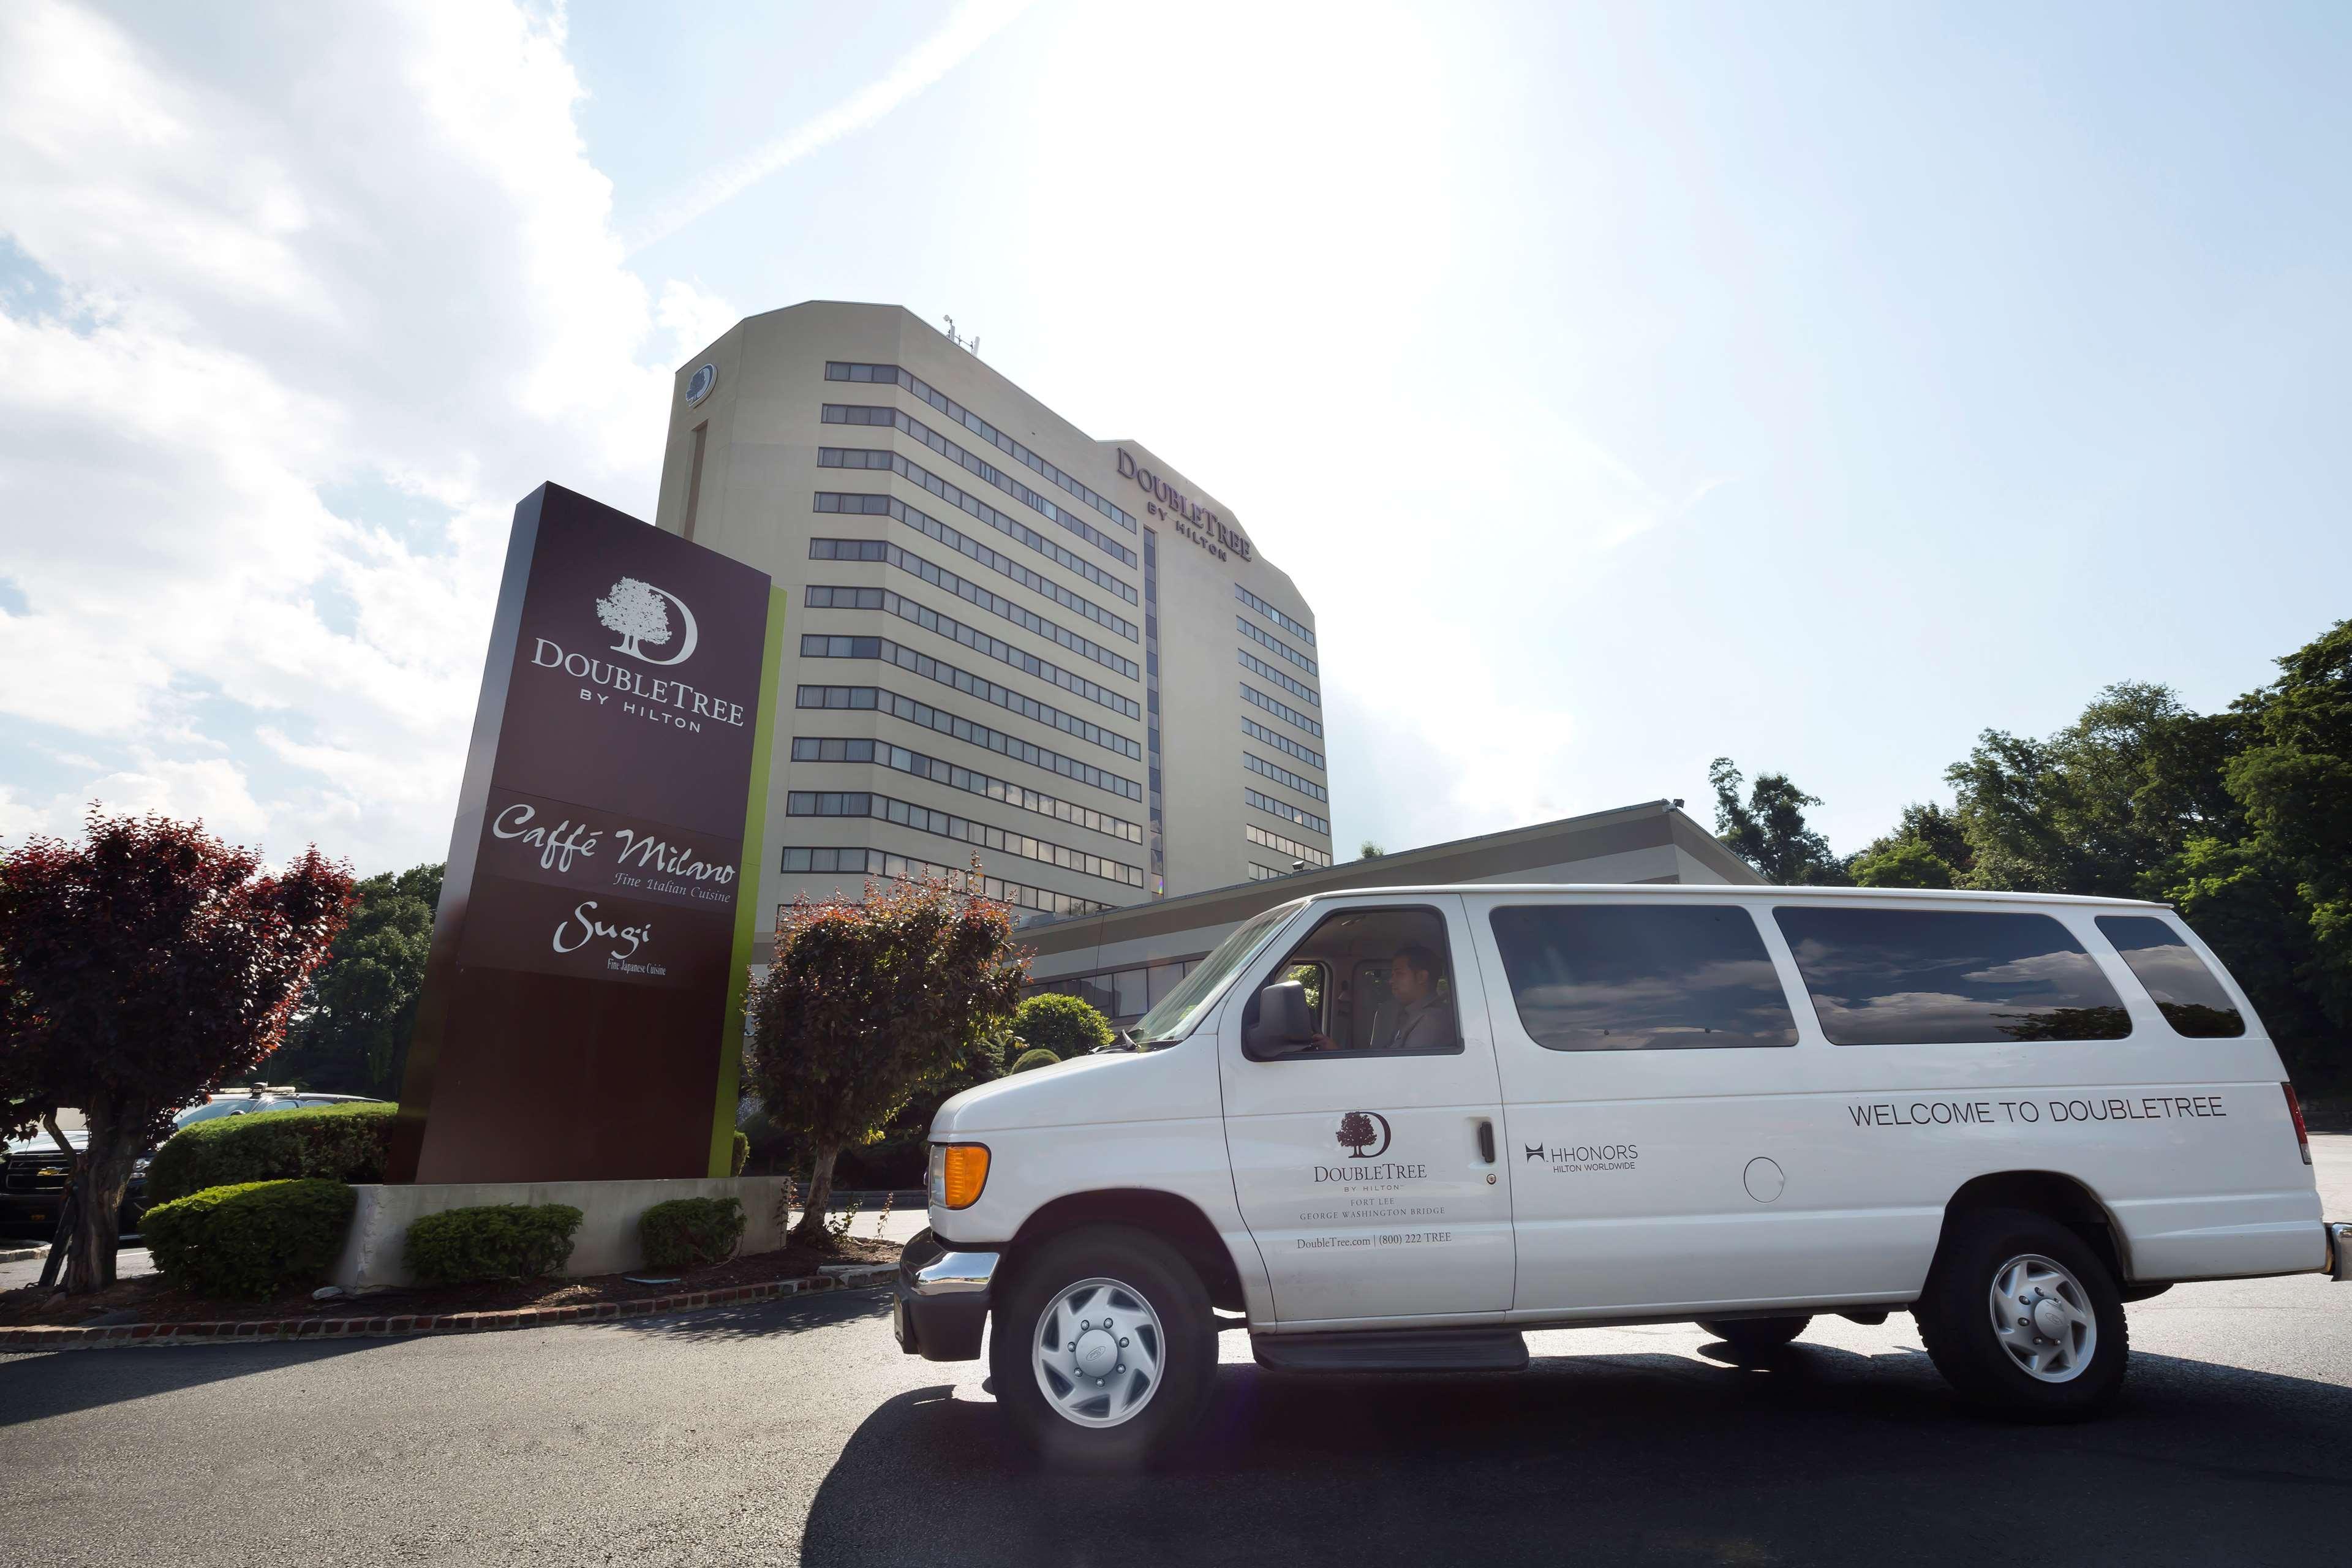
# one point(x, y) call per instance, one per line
point(2042, 1318)
point(1097, 1350)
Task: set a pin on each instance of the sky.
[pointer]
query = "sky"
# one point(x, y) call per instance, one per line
point(1624, 386)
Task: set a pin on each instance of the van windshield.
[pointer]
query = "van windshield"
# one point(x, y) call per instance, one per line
point(1181, 1008)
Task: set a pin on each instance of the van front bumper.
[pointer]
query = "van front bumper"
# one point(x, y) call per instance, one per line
point(943, 1298)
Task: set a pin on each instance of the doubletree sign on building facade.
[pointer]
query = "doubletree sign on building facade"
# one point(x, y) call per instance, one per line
point(581, 1011)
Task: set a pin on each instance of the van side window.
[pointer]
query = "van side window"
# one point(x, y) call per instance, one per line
point(1926, 977)
point(2178, 980)
point(1376, 981)
point(1641, 977)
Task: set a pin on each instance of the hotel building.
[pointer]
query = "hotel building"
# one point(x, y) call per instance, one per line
point(1006, 638)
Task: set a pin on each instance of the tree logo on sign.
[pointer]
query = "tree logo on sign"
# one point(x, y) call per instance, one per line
point(639, 612)
point(1364, 1135)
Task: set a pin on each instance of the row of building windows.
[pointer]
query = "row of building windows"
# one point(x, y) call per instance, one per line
point(1271, 614)
point(882, 754)
point(1260, 636)
point(880, 699)
point(972, 549)
point(1305, 786)
point(1258, 731)
point(1257, 666)
point(971, 685)
point(891, 374)
point(1264, 873)
point(1281, 711)
point(1266, 839)
point(915, 473)
point(906, 868)
point(1286, 811)
point(972, 637)
point(1121, 995)
point(972, 463)
point(947, 825)
point(971, 593)
point(879, 505)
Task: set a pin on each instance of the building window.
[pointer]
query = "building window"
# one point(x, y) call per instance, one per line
point(1268, 839)
point(956, 496)
point(882, 700)
point(1281, 711)
point(882, 754)
point(946, 825)
point(1286, 811)
point(1258, 873)
point(891, 374)
point(1267, 639)
point(821, 596)
point(1250, 662)
point(902, 869)
point(838, 414)
point(1283, 775)
point(694, 482)
point(861, 504)
point(929, 668)
point(1276, 616)
point(1283, 743)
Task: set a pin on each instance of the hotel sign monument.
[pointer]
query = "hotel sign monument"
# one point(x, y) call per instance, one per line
point(582, 1015)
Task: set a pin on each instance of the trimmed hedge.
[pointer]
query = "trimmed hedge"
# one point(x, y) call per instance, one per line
point(1040, 1057)
point(336, 1142)
point(251, 1240)
point(691, 1232)
point(492, 1241)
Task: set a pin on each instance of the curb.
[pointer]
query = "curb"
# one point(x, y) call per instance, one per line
point(23, 1254)
point(405, 1325)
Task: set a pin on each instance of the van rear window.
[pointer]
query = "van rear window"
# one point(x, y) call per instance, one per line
point(1641, 977)
point(2183, 989)
point(1924, 977)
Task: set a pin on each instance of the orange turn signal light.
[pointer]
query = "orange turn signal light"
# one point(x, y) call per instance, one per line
point(965, 1170)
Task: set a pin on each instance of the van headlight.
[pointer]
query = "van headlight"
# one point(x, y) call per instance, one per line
point(958, 1173)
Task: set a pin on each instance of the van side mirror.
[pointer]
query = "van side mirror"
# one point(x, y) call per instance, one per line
point(1284, 1023)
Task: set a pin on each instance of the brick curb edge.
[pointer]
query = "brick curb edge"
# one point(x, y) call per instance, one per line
point(405, 1324)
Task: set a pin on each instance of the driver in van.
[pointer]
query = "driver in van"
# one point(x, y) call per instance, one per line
point(1415, 1017)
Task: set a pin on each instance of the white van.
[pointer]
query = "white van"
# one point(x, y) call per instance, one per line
point(1393, 1128)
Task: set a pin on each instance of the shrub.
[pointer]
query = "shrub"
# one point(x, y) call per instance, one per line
point(742, 1153)
point(336, 1142)
point(493, 1241)
point(250, 1240)
point(1037, 1058)
point(691, 1232)
point(1065, 1026)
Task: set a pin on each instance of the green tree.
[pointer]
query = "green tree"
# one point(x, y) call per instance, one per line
point(1902, 863)
point(867, 1003)
point(1067, 1025)
point(140, 969)
point(1369, 849)
point(1767, 829)
point(350, 1034)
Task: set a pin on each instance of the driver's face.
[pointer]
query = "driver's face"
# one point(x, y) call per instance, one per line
point(1406, 983)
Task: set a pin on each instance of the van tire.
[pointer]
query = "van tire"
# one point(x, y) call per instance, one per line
point(1956, 1319)
point(1755, 1336)
point(1154, 1277)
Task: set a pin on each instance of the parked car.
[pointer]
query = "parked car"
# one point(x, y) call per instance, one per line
point(34, 1173)
point(1391, 1129)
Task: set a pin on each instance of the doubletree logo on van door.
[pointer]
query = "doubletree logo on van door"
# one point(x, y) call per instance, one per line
point(1364, 1135)
point(639, 612)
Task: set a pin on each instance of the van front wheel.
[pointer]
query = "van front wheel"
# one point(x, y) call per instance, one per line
point(2021, 1316)
point(1103, 1350)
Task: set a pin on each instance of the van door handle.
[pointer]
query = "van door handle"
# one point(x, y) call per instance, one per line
point(1487, 1140)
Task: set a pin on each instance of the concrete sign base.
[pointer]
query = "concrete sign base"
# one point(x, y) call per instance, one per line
point(606, 1242)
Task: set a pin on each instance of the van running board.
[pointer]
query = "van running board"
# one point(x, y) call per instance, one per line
point(1394, 1350)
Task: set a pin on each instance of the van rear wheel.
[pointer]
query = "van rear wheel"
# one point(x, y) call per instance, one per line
point(2021, 1316)
point(1103, 1349)
point(1755, 1336)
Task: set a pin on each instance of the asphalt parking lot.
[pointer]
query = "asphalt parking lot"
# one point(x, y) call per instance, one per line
point(795, 1432)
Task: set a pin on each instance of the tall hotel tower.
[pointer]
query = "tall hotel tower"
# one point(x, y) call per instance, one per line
point(1005, 639)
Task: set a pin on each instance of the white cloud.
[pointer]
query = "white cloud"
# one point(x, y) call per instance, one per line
point(297, 264)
